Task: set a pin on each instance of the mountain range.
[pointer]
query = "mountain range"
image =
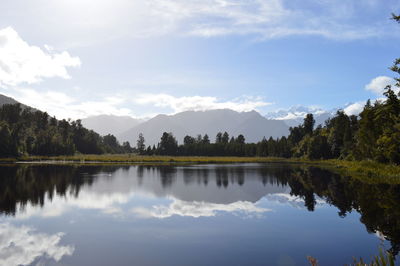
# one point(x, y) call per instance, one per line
point(110, 124)
point(250, 124)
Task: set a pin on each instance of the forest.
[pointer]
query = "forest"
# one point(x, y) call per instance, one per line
point(26, 131)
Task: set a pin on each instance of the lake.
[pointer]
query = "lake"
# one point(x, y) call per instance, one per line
point(233, 214)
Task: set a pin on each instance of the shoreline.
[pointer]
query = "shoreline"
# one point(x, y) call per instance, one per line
point(367, 171)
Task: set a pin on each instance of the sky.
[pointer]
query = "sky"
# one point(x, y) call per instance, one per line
point(78, 58)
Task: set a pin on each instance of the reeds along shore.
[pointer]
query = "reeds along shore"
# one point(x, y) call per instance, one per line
point(368, 171)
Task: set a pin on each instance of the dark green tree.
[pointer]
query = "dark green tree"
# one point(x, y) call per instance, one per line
point(140, 144)
point(168, 144)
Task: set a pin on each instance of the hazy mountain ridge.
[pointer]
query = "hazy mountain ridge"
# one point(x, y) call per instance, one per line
point(110, 124)
point(251, 124)
point(6, 100)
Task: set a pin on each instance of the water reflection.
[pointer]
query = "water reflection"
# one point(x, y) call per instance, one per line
point(22, 245)
point(194, 191)
point(198, 209)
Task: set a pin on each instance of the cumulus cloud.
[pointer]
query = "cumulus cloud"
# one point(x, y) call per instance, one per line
point(197, 209)
point(199, 103)
point(378, 84)
point(22, 245)
point(24, 63)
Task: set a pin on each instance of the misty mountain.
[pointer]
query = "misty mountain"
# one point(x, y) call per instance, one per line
point(110, 124)
point(295, 115)
point(6, 100)
point(251, 124)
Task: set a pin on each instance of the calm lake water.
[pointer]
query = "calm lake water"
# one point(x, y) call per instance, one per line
point(245, 214)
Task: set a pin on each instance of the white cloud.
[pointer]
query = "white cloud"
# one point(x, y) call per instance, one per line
point(266, 19)
point(22, 245)
point(199, 103)
point(23, 63)
point(69, 22)
point(62, 105)
point(197, 209)
point(107, 203)
point(378, 84)
point(354, 108)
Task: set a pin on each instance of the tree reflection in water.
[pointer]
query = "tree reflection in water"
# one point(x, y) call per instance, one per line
point(378, 205)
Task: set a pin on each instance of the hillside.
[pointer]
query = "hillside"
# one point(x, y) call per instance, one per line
point(251, 124)
point(6, 100)
point(109, 124)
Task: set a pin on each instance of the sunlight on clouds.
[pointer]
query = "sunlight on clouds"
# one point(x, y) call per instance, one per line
point(23, 63)
point(199, 103)
point(355, 108)
point(85, 22)
point(378, 84)
point(22, 245)
point(197, 209)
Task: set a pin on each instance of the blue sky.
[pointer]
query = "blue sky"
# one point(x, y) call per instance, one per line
point(139, 58)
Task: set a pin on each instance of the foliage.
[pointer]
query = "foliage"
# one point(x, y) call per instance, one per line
point(140, 144)
point(383, 259)
point(24, 131)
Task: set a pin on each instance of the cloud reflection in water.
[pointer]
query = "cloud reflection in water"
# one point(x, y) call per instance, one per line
point(22, 245)
point(198, 209)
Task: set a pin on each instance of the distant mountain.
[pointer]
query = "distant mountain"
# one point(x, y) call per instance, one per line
point(295, 115)
point(251, 124)
point(110, 124)
point(6, 100)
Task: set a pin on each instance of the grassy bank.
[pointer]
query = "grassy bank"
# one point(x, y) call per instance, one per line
point(129, 158)
point(368, 171)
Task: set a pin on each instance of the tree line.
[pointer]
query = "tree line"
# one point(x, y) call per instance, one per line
point(24, 131)
point(374, 135)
